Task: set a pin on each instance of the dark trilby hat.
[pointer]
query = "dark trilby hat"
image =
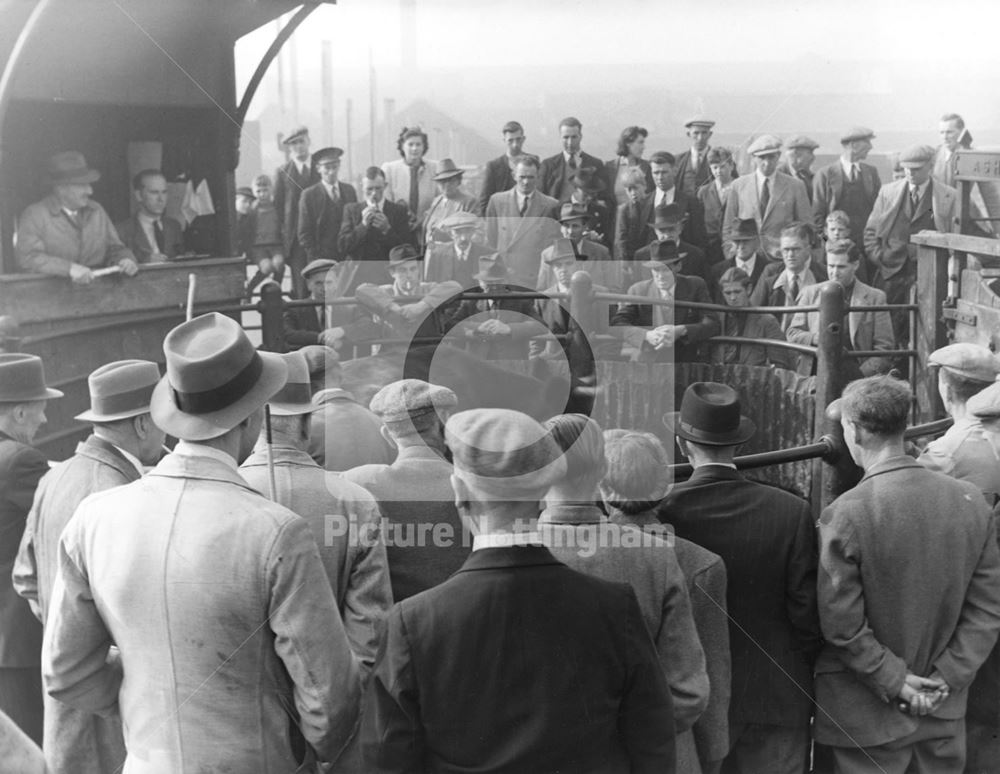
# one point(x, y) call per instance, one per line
point(327, 154)
point(296, 134)
point(215, 379)
point(663, 253)
point(492, 271)
point(587, 180)
point(295, 398)
point(561, 249)
point(246, 191)
point(573, 211)
point(401, 254)
point(668, 216)
point(120, 390)
point(710, 415)
point(71, 167)
point(22, 379)
point(320, 264)
point(448, 169)
point(746, 228)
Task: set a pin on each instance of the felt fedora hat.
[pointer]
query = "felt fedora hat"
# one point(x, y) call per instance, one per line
point(295, 398)
point(448, 169)
point(71, 167)
point(561, 249)
point(664, 253)
point(746, 228)
point(710, 415)
point(215, 379)
point(120, 390)
point(22, 379)
point(401, 254)
point(667, 216)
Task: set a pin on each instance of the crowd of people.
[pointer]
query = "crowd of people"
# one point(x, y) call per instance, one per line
point(302, 582)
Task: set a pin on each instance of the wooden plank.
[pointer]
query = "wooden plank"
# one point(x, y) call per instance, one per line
point(977, 165)
point(961, 242)
point(932, 290)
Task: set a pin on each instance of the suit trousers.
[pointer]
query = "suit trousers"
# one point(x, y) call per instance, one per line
point(982, 744)
point(936, 747)
point(21, 699)
point(762, 748)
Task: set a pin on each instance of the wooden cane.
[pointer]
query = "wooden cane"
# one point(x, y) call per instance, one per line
point(192, 286)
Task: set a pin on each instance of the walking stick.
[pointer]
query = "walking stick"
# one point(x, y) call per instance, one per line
point(192, 286)
point(272, 486)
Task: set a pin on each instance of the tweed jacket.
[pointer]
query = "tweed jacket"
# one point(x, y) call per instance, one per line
point(767, 540)
point(867, 330)
point(714, 207)
point(75, 741)
point(134, 238)
point(965, 452)
point(572, 681)
point(344, 519)
point(397, 184)
point(414, 494)
point(289, 183)
point(21, 468)
point(883, 617)
point(320, 219)
point(806, 177)
point(344, 434)
point(553, 171)
point(828, 192)
point(584, 540)
point(368, 248)
point(442, 264)
point(520, 240)
point(214, 597)
point(882, 231)
point(498, 177)
point(637, 319)
point(788, 203)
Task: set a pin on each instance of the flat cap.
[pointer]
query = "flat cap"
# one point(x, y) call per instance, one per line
point(857, 133)
point(296, 134)
point(320, 264)
point(801, 141)
point(765, 145)
point(504, 453)
point(459, 220)
point(985, 404)
point(916, 156)
point(708, 123)
point(408, 398)
point(972, 361)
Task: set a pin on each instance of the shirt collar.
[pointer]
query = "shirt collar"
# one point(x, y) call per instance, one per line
point(193, 449)
point(785, 278)
point(846, 166)
point(921, 189)
point(565, 513)
point(330, 187)
point(506, 540)
point(761, 178)
point(144, 218)
point(747, 265)
point(131, 458)
point(568, 156)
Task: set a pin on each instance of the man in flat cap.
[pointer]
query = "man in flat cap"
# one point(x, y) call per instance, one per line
point(964, 452)
point(67, 233)
point(800, 153)
point(290, 180)
point(425, 542)
point(770, 197)
point(712, 196)
point(849, 184)
point(450, 200)
point(909, 599)
point(594, 257)
point(343, 517)
point(124, 439)
point(321, 208)
point(662, 332)
point(325, 324)
point(555, 176)
point(204, 586)
point(478, 677)
point(23, 397)
point(692, 168)
point(767, 540)
point(458, 258)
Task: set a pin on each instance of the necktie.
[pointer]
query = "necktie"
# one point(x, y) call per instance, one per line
point(765, 196)
point(793, 294)
point(524, 206)
point(333, 193)
point(914, 199)
point(572, 162)
point(414, 188)
point(158, 234)
point(854, 173)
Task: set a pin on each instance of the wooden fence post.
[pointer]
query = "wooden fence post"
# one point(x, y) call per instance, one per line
point(272, 307)
point(828, 478)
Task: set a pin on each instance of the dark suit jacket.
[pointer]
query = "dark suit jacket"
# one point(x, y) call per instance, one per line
point(767, 540)
point(553, 171)
point(805, 177)
point(289, 184)
point(320, 219)
point(633, 229)
point(21, 468)
point(302, 324)
point(569, 680)
point(694, 263)
point(443, 265)
point(368, 249)
point(497, 178)
point(512, 311)
point(938, 611)
point(718, 269)
point(828, 190)
point(134, 238)
point(702, 176)
point(638, 318)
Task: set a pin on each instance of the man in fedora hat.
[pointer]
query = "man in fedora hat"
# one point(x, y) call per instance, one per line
point(321, 208)
point(23, 396)
point(669, 225)
point(497, 328)
point(344, 517)
point(849, 184)
point(767, 540)
point(693, 165)
point(640, 220)
point(205, 586)
point(451, 199)
point(290, 179)
point(124, 439)
point(67, 233)
point(747, 257)
point(458, 258)
point(770, 197)
point(653, 332)
point(909, 598)
point(568, 680)
point(574, 219)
